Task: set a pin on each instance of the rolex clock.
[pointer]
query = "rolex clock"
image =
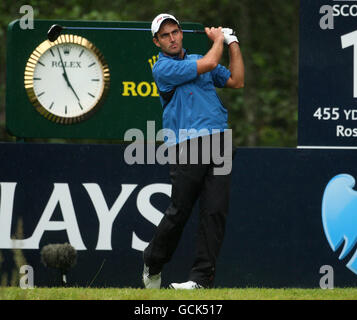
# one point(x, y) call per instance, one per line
point(66, 80)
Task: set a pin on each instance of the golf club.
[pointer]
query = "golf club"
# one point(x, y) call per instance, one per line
point(55, 30)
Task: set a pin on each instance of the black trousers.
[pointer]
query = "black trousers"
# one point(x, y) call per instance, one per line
point(191, 183)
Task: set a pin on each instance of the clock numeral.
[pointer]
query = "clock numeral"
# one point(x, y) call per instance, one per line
point(39, 95)
point(41, 63)
point(91, 65)
point(65, 110)
point(91, 95)
point(37, 78)
point(52, 53)
point(95, 79)
point(81, 53)
point(51, 105)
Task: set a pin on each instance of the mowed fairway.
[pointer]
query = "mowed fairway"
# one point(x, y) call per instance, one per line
point(12, 293)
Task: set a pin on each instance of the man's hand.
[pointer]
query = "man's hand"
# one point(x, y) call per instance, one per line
point(229, 36)
point(215, 34)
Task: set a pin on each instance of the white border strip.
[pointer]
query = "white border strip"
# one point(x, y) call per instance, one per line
point(326, 147)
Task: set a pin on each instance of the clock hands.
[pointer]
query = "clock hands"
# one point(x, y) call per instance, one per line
point(69, 84)
point(66, 77)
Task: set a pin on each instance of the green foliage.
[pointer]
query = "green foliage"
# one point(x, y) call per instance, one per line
point(264, 113)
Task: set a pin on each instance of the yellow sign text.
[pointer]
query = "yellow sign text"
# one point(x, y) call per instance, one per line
point(142, 89)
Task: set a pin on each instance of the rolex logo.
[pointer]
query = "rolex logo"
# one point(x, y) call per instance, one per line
point(153, 60)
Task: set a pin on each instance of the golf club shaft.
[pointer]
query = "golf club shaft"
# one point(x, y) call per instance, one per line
point(122, 29)
point(55, 31)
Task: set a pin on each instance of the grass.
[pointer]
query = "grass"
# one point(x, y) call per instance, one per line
point(15, 293)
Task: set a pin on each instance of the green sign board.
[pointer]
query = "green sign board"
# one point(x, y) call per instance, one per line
point(44, 98)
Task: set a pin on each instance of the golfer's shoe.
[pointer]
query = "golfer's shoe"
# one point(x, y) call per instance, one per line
point(151, 281)
point(189, 285)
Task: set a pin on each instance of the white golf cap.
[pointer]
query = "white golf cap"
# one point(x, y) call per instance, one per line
point(156, 23)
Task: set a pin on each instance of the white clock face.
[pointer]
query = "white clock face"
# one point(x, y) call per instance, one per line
point(68, 80)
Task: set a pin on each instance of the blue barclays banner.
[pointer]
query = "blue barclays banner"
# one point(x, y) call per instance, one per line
point(292, 219)
point(328, 73)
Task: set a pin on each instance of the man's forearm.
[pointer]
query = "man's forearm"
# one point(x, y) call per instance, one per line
point(236, 66)
point(211, 59)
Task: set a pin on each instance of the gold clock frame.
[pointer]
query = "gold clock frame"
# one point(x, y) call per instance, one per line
point(30, 69)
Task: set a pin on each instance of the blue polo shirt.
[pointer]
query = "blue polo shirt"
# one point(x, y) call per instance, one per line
point(195, 103)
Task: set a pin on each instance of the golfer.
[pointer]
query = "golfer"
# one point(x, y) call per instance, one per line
point(186, 83)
